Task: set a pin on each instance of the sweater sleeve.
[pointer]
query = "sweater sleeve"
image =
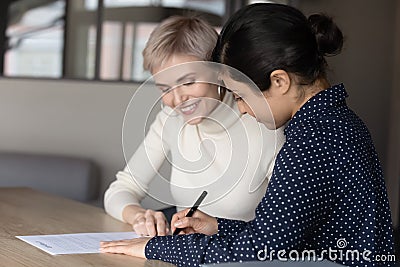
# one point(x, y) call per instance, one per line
point(132, 183)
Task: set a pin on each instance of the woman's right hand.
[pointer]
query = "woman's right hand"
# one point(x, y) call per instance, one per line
point(200, 222)
point(146, 222)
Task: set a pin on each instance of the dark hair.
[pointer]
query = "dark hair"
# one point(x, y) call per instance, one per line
point(261, 38)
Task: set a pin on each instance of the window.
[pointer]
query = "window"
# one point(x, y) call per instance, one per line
point(92, 39)
point(35, 35)
point(114, 52)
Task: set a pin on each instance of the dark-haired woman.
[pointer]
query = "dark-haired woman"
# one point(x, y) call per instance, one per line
point(327, 197)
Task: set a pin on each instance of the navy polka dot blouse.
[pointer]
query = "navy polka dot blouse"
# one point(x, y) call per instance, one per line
point(326, 196)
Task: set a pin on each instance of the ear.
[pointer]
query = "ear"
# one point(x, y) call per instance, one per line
point(280, 81)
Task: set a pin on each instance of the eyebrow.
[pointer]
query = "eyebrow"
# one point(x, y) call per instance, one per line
point(179, 80)
point(184, 77)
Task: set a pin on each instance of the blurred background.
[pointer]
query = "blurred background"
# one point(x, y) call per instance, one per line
point(70, 67)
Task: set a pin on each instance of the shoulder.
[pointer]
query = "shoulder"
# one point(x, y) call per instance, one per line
point(333, 137)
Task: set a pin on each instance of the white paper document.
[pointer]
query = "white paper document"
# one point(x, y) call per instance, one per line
point(74, 243)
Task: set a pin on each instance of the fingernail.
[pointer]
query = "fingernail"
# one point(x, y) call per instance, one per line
point(177, 223)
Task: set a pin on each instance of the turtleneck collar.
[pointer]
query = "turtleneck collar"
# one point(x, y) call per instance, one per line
point(221, 118)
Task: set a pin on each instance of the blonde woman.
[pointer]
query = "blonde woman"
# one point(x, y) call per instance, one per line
point(203, 112)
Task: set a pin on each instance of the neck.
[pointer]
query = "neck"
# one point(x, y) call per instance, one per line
point(310, 91)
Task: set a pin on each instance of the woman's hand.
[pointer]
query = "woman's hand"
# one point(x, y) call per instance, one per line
point(146, 222)
point(132, 247)
point(198, 223)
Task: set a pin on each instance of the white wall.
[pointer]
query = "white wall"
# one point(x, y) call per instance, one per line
point(72, 118)
point(367, 67)
point(366, 62)
point(393, 161)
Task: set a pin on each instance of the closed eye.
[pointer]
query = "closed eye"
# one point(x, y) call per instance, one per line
point(188, 83)
point(165, 90)
point(237, 98)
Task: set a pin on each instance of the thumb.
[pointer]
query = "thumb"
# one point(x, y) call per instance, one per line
point(185, 222)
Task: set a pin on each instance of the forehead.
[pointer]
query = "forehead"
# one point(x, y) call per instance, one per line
point(172, 60)
point(237, 87)
point(180, 68)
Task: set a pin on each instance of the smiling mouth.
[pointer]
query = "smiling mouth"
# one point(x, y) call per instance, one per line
point(189, 109)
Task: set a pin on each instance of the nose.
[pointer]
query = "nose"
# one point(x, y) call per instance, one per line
point(178, 96)
point(241, 107)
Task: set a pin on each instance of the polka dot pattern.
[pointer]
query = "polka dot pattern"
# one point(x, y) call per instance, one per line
point(327, 186)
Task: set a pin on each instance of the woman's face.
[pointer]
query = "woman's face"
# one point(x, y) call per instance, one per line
point(268, 107)
point(184, 88)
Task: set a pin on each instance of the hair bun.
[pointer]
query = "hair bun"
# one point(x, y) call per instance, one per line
point(328, 35)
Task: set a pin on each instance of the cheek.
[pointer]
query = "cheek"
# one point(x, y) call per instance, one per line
point(240, 107)
point(252, 114)
point(250, 111)
point(167, 100)
point(280, 114)
point(205, 90)
point(246, 108)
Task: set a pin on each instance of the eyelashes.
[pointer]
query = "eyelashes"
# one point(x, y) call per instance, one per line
point(237, 98)
point(186, 84)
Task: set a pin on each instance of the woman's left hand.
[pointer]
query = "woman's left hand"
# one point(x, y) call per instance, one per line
point(132, 247)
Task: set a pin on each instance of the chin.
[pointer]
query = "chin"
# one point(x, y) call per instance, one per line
point(194, 121)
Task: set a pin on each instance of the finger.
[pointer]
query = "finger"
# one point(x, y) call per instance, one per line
point(150, 225)
point(191, 222)
point(140, 227)
point(177, 216)
point(141, 220)
point(162, 224)
point(173, 220)
point(161, 227)
point(185, 231)
point(141, 230)
point(182, 232)
point(167, 228)
point(182, 223)
point(105, 244)
point(180, 214)
point(117, 249)
point(188, 230)
point(117, 241)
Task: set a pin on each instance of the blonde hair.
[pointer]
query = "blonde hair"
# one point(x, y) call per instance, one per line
point(190, 36)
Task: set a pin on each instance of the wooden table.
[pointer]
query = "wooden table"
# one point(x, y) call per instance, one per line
point(24, 211)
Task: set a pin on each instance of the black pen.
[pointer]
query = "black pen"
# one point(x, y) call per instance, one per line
point(193, 209)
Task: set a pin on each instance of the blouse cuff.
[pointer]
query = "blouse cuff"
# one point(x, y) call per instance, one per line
point(151, 249)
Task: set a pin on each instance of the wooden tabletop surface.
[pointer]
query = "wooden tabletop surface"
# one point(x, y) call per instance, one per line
point(24, 211)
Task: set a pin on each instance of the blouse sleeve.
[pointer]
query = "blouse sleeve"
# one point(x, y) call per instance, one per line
point(298, 195)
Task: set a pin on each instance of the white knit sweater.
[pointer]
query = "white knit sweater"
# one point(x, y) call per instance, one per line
point(229, 155)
